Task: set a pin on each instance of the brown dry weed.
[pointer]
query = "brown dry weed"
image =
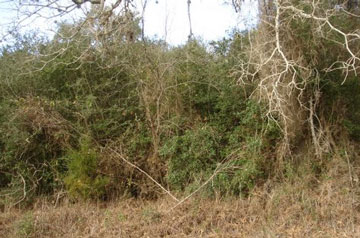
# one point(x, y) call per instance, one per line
point(291, 209)
point(302, 205)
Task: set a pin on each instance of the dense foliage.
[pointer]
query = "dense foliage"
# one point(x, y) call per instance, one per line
point(178, 113)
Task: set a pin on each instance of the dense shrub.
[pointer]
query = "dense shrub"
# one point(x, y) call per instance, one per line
point(83, 179)
point(348, 96)
point(34, 138)
point(236, 149)
point(177, 113)
point(190, 155)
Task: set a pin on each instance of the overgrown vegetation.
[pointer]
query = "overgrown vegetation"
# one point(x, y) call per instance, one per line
point(97, 113)
point(176, 113)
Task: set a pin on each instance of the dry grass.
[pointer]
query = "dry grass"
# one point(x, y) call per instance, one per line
point(301, 206)
point(288, 210)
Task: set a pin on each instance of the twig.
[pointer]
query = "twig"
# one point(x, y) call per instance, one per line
point(146, 174)
point(217, 170)
point(220, 166)
point(24, 191)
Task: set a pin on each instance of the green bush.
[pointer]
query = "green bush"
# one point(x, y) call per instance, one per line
point(239, 151)
point(347, 94)
point(190, 155)
point(244, 150)
point(83, 180)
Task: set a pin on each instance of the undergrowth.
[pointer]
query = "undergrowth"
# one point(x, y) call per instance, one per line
point(109, 122)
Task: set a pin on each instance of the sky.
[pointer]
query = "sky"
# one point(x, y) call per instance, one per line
point(211, 19)
point(166, 19)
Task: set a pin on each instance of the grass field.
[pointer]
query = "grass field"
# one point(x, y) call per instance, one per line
point(288, 210)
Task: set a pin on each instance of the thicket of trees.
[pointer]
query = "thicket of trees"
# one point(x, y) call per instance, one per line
point(100, 111)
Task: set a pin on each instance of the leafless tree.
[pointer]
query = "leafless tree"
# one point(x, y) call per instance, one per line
point(282, 73)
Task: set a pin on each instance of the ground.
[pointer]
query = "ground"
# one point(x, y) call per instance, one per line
point(289, 210)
